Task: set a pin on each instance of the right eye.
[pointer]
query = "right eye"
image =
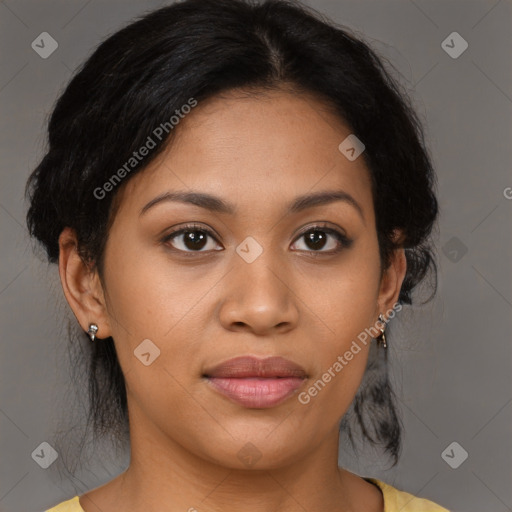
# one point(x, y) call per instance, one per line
point(190, 238)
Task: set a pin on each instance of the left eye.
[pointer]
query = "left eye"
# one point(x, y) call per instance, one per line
point(317, 238)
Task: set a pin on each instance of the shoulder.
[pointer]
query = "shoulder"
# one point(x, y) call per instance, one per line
point(396, 500)
point(72, 505)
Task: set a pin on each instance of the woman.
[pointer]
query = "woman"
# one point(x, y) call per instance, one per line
point(239, 200)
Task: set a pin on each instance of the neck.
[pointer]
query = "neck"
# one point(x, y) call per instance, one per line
point(172, 478)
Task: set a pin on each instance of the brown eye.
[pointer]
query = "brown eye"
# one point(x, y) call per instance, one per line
point(191, 239)
point(323, 240)
point(316, 240)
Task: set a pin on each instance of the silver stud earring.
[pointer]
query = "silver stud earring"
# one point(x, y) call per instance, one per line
point(93, 329)
point(381, 338)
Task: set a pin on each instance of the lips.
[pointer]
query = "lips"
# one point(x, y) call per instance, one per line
point(256, 383)
point(247, 367)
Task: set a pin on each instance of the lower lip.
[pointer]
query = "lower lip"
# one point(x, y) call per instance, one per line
point(256, 393)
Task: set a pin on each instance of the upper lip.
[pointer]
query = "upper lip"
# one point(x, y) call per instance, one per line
point(250, 366)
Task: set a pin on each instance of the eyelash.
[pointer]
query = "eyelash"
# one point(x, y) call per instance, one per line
point(344, 242)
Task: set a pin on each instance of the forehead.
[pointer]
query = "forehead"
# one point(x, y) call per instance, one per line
point(250, 148)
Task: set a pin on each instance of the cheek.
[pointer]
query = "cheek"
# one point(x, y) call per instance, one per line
point(351, 292)
point(341, 361)
point(149, 298)
point(146, 292)
point(346, 303)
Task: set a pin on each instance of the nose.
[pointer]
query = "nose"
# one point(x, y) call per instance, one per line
point(259, 297)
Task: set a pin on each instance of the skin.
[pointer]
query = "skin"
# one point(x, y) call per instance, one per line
point(258, 153)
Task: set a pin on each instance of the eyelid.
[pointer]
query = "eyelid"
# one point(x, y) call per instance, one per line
point(321, 225)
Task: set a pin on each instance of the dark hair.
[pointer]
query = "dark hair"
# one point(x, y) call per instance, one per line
point(136, 80)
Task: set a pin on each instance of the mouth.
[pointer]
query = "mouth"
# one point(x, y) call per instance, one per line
point(256, 383)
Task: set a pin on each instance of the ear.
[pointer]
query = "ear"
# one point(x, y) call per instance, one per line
point(392, 279)
point(82, 286)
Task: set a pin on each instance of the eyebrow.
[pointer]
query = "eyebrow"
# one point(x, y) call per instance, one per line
point(218, 205)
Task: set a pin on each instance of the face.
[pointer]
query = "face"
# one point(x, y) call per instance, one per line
point(266, 276)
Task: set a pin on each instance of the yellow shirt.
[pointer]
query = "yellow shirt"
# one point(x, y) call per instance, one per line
point(394, 501)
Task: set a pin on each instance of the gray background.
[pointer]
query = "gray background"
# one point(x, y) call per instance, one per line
point(450, 359)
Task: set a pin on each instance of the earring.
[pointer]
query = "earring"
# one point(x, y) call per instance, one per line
point(93, 329)
point(381, 338)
